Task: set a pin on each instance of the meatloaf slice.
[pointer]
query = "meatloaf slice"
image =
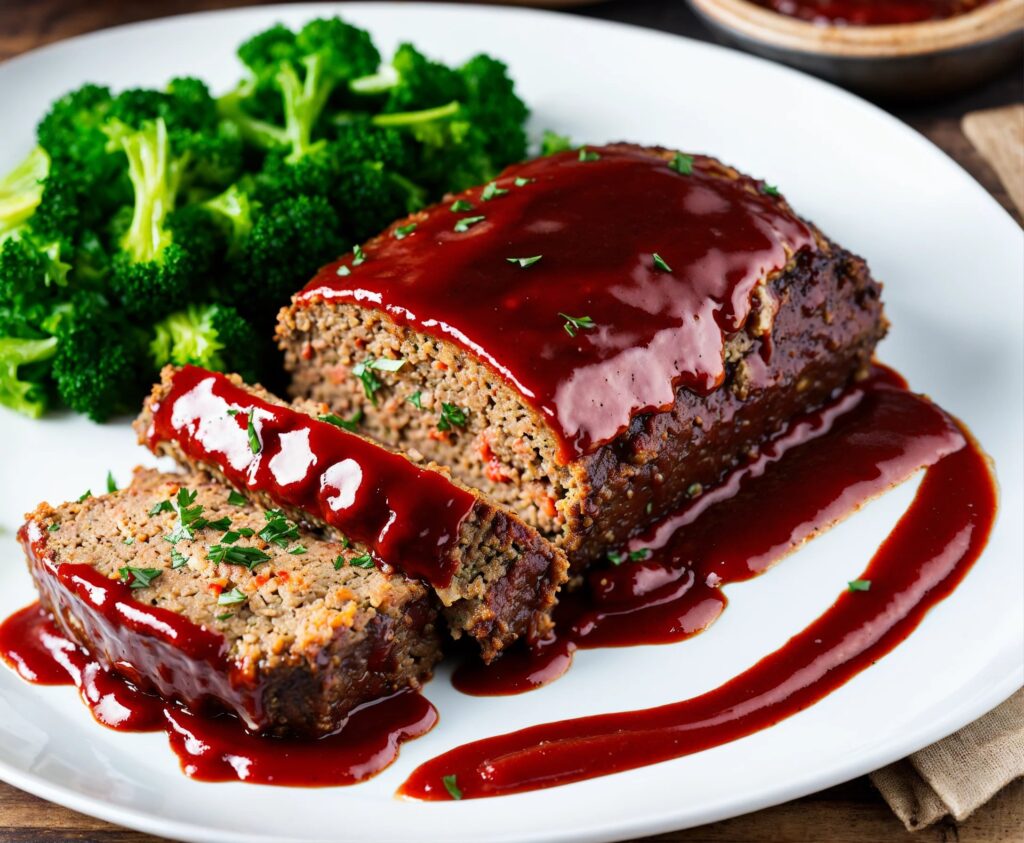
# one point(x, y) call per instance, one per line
point(592, 339)
point(172, 583)
point(496, 577)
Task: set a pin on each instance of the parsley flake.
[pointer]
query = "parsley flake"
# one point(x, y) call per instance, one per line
point(254, 439)
point(343, 271)
point(339, 562)
point(574, 323)
point(460, 205)
point(364, 561)
point(365, 372)
point(86, 496)
point(769, 190)
point(129, 541)
point(358, 255)
point(348, 424)
point(225, 616)
point(522, 182)
point(525, 262)
point(859, 585)
point(415, 399)
point(659, 262)
point(163, 506)
point(248, 557)
point(298, 550)
point(404, 231)
point(138, 577)
point(237, 498)
point(451, 416)
point(640, 555)
point(278, 530)
point(111, 483)
point(54, 527)
point(492, 191)
point(232, 598)
point(588, 155)
point(178, 559)
point(466, 223)
point(452, 787)
point(682, 164)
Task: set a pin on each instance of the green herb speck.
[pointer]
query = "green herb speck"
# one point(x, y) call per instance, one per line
point(682, 164)
point(404, 231)
point(452, 787)
point(574, 323)
point(467, 223)
point(859, 585)
point(525, 262)
point(237, 498)
point(659, 262)
point(232, 598)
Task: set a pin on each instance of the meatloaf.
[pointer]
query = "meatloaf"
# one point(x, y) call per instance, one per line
point(495, 576)
point(204, 598)
point(592, 339)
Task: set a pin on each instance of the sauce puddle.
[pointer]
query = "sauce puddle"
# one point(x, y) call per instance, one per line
point(216, 748)
point(873, 437)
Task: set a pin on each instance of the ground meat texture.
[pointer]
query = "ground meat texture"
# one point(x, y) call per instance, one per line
point(811, 330)
point(506, 575)
point(305, 636)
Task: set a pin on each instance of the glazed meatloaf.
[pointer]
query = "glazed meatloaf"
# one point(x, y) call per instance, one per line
point(495, 576)
point(202, 597)
point(592, 339)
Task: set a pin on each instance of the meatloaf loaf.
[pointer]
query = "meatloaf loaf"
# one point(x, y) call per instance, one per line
point(495, 576)
point(592, 339)
point(202, 597)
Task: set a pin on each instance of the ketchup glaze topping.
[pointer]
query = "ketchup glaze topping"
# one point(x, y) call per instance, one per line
point(408, 516)
point(924, 558)
point(871, 12)
point(594, 282)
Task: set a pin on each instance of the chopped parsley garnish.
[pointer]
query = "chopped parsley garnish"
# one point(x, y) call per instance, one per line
point(640, 555)
point(460, 205)
point(348, 424)
point(163, 506)
point(225, 616)
point(451, 416)
point(364, 561)
point(588, 155)
point(230, 537)
point(246, 531)
point(237, 498)
point(492, 191)
point(87, 495)
point(682, 164)
point(466, 223)
point(659, 262)
point(254, 440)
point(138, 577)
point(339, 562)
point(221, 524)
point(278, 530)
point(234, 411)
point(404, 231)
point(298, 550)
point(574, 323)
point(415, 399)
point(111, 482)
point(769, 190)
point(232, 598)
point(365, 372)
point(452, 787)
point(343, 271)
point(189, 517)
point(358, 255)
point(129, 541)
point(522, 182)
point(617, 557)
point(249, 557)
point(54, 527)
point(859, 585)
point(178, 560)
point(525, 262)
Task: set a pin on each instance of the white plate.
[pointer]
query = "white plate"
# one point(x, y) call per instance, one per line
point(952, 263)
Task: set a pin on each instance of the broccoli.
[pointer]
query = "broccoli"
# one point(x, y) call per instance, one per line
point(20, 360)
point(32, 275)
point(100, 367)
point(495, 109)
point(213, 336)
point(303, 69)
point(21, 190)
point(161, 254)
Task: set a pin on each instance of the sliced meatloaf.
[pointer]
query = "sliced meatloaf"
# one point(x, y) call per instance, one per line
point(203, 597)
point(592, 339)
point(495, 576)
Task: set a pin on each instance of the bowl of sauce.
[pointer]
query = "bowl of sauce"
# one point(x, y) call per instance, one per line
point(884, 48)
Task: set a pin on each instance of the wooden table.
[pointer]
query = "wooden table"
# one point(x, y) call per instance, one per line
point(852, 812)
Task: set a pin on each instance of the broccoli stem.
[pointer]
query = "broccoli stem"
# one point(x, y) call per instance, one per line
point(380, 82)
point(259, 133)
point(21, 190)
point(155, 177)
point(303, 101)
point(411, 118)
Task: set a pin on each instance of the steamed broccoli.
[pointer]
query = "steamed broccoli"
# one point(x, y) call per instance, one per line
point(214, 336)
point(20, 388)
point(21, 190)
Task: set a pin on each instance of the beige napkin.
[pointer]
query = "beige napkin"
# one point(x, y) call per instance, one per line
point(959, 774)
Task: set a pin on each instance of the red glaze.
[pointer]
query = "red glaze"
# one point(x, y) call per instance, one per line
point(871, 12)
point(216, 748)
point(597, 224)
point(921, 562)
point(408, 516)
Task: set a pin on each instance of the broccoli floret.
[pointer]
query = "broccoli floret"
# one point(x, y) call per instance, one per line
point(101, 366)
point(232, 211)
point(22, 363)
point(303, 69)
point(32, 275)
point(21, 190)
point(161, 254)
point(495, 109)
point(421, 83)
point(213, 336)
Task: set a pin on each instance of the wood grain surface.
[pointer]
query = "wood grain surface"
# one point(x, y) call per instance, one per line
point(850, 813)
